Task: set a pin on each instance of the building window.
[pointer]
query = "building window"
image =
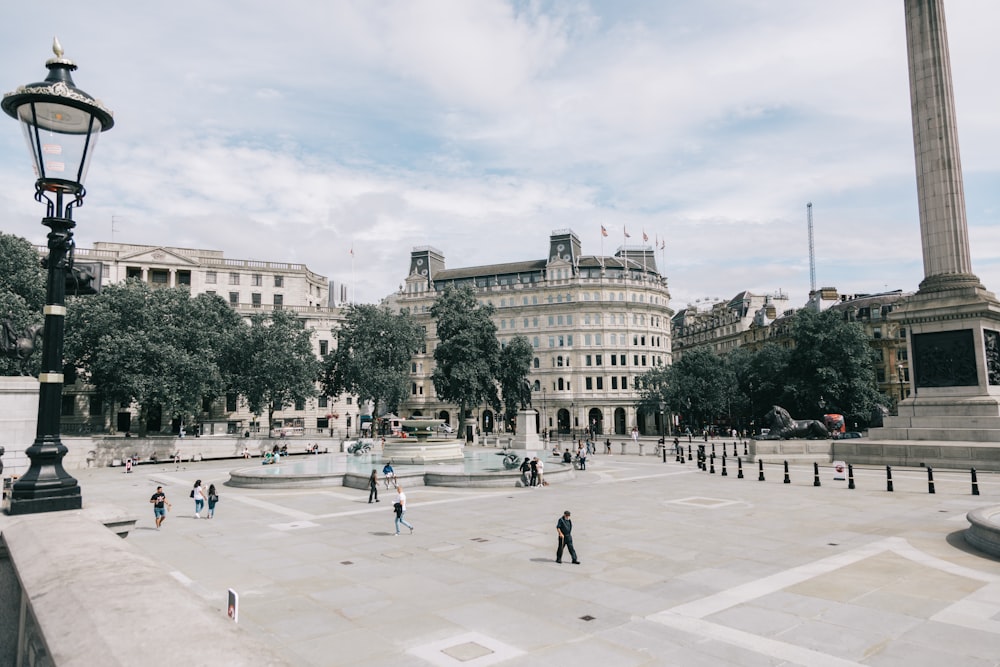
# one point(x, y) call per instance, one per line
point(257, 280)
point(96, 406)
point(876, 332)
point(255, 299)
point(234, 279)
point(211, 277)
point(597, 360)
point(231, 402)
point(184, 278)
point(324, 347)
point(614, 381)
point(279, 281)
point(600, 383)
point(159, 276)
point(300, 404)
point(589, 382)
point(902, 332)
point(234, 298)
point(279, 301)
point(587, 360)
point(624, 382)
point(534, 362)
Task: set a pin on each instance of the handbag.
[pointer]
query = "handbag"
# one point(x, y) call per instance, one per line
point(192, 493)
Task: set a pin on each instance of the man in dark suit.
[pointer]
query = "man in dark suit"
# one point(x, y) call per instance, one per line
point(565, 529)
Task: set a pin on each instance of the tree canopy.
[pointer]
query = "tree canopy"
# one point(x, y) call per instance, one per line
point(467, 356)
point(831, 368)
point(22, 291)
point(373, 355)
point(274, 363)
point(158, 348)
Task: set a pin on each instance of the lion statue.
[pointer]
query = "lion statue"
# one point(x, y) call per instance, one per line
point(784, 427)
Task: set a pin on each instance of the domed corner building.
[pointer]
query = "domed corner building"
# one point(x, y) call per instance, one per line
point(596, 324)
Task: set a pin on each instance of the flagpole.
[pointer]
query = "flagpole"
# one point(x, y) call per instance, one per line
point(354, 284)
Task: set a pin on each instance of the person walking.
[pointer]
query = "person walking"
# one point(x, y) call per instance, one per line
point(564, 527)
point(541, 473)
point(400, 508)
point(373, 486)
point(607, 446)
point(534, 472)
point(158, 500)
point(213, 498)
point(198, 493)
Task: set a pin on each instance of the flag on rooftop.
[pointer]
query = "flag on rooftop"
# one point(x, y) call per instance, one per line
point(645, 239)
point(604, 232)
point(625, 232)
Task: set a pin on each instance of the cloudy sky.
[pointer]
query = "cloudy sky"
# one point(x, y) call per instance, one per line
point(294, 130)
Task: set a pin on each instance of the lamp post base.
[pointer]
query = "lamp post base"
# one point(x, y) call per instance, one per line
point(46, 486)
point(46, 504)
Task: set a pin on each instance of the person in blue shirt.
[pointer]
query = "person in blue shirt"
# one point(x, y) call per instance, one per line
point(389, 474)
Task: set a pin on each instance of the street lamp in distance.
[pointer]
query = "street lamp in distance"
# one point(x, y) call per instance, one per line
point(899, 374)
point(61, 124)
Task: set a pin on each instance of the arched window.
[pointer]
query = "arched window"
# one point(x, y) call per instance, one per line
point(559, 363)
point(561, 384)
point(534, 362)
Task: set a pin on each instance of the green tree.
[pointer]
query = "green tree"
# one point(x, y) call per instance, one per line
point(515, 364)
point(467, 356)
point(831, 367)
point(700, 385)
point(655, 388)
point(372, 357)
point(158, 348)
point(274, 364)
point(764, 380)
point(22, 292)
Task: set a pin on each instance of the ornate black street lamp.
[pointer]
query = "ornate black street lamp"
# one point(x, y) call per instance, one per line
point(899, 374)
point(61, 124)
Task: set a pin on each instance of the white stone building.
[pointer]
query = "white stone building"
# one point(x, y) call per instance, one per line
point(596, 324)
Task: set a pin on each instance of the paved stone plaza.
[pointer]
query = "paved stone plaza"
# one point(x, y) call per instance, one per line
point(679, 567)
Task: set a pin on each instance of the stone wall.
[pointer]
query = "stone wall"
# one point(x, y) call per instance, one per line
point(61, 569)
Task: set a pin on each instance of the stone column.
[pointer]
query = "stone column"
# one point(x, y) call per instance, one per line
point(944, 231)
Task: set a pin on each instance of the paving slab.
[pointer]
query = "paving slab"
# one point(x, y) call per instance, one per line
point(679, 567)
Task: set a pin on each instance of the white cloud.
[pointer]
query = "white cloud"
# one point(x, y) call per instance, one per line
point(291, 131)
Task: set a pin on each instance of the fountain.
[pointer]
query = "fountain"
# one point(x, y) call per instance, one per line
point(419, 444)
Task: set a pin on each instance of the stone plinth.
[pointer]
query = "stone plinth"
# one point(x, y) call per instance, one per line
point(527, 435)
point(18, 421)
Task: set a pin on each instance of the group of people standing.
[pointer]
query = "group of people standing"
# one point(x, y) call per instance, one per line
point(533, 472)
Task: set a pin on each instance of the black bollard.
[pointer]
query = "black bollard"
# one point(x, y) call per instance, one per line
point(724, 473)
point(682, 455)
point(745, 453)
point(850, 476)
point(930, 479)
point(713, 449)
point(690, 458)
point(739, 468)
point(788, 480)
point(735, 453)
point(711, 469)
point(664, 453)
point(975, 483)
point(760, 476)
point(816, 474)
point(888, 478)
